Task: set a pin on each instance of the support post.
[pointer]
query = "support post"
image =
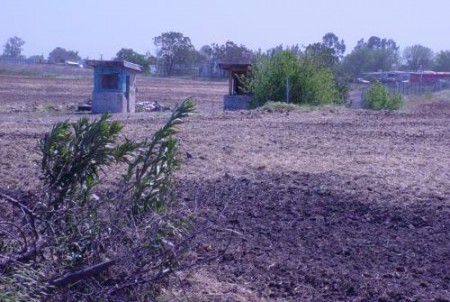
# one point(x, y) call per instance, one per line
point(287, 90)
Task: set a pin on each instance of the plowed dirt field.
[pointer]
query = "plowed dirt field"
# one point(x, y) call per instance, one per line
point(331, 204)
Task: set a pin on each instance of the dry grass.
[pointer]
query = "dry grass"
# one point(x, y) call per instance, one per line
point(202, 286)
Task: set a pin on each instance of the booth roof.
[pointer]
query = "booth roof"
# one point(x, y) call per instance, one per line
point(239, 66)
point(123, 64)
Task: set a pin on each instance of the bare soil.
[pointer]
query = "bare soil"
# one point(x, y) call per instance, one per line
point(332, 204)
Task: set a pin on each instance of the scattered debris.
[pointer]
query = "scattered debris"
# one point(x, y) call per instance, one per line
point(85, 106)
point(140, 107)
point(150, 107)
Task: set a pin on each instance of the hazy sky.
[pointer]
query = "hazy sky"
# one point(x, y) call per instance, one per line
point(102, 27)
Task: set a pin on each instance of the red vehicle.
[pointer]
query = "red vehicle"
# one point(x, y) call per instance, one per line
point(429, 76)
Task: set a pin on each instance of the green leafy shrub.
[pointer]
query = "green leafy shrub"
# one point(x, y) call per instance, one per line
point(377, 98)
point(73, 154)
point(80, 244)
point(308, 83)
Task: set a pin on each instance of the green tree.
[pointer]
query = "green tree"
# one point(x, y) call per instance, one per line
point(308, 83)
point(331, 41)
point(230, 52)
point(128, 54)
point(321, 55)
point(61, 55)
point(175, 53)
point(377, 98)
point(13, 47)
point(209, 56)
point(442, 61)
point(207, 61)
point(295, 49)
point(328, 54)
point(205, 54)
point(373, 55)
point(418, 57)
point(37, 58)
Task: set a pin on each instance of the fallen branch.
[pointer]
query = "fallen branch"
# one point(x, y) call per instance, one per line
point(81, 274)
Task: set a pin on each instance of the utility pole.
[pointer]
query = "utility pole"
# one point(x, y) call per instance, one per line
point(287, 90)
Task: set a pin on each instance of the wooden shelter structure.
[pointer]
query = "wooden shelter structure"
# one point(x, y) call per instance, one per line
point(237, 98)
point(114, 86)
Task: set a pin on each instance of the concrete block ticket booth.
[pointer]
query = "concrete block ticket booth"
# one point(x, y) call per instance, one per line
point(237, 98)
point(114, 86)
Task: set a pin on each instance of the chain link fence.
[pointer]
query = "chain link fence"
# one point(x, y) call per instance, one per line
point(412, 88)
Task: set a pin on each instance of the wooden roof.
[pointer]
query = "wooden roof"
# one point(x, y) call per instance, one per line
point(235, 67)
point(122, 64)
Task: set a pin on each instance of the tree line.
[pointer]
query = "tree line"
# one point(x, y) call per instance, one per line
point(176, 55)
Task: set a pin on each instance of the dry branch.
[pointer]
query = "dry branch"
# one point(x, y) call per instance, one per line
point(81, 274)
point(16, 203)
